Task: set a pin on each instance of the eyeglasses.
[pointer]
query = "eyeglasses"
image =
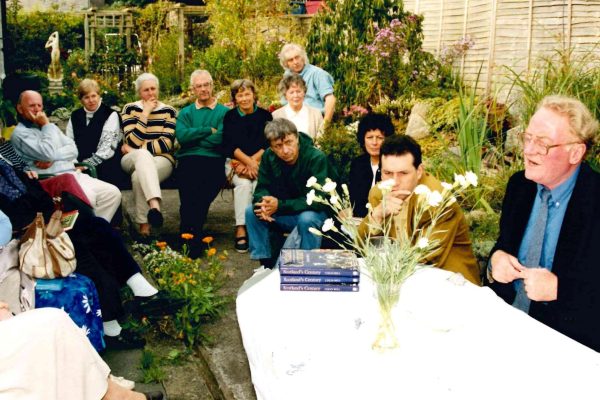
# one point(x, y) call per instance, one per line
point(538, 145)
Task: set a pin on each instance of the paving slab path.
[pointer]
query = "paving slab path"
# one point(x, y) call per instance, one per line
point(219, 368)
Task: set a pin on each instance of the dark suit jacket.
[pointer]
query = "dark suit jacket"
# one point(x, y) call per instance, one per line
point(576, 312)
point(359, 183)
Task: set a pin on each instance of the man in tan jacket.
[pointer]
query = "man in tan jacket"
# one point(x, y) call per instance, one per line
point(401, 161)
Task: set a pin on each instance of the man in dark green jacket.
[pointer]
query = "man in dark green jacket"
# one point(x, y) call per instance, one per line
point(280, 194)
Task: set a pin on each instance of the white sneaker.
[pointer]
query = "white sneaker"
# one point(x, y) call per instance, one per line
point(125, 383)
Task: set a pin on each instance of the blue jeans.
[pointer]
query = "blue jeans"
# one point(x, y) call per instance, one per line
point(258, 230)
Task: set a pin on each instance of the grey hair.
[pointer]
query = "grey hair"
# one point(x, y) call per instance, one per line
point(290, 80)
point(289, 47)
point(199, 72)
point(279, 128)
point(146, 76)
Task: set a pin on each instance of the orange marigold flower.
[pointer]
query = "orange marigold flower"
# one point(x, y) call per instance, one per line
point(211, 252)
point(161, 245)
point(208, 239)
point(187, 236)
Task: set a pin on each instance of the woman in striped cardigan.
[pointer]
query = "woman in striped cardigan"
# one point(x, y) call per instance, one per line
point(148, 138)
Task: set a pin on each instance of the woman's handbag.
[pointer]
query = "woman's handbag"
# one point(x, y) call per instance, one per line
point(47, 251)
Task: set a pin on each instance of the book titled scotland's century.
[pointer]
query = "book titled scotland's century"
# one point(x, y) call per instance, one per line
point(314, 279)
point(318, 287)
point(318, 262)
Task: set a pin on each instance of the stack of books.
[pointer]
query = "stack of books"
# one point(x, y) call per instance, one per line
point(319, 270)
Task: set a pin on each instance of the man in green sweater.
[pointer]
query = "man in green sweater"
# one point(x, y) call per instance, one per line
point(280, 194)
point(200, 164)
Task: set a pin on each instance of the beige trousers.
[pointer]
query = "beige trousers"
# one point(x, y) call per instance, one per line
point(105, 197)
point(243, 190)
point(147, 171)
point(44, 355)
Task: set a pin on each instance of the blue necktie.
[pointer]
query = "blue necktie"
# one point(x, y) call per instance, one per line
point(534, 250)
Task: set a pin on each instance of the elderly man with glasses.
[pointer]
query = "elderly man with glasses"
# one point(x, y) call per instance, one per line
point(200, 163)
point(546, 260)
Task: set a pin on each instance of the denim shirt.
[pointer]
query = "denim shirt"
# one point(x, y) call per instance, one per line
point(319, 84)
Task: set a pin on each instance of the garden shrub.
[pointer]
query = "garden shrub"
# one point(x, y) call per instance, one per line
point(76, 67)
point(223, 63)
point(246, 37)
point(27, 33)
point(165, 62)
point(484, 230)
point(444, 114)
point(339, 143)
point(115, 63)
point(373, 50)
point(264, 64)
point(398, 108)
point(8, 113)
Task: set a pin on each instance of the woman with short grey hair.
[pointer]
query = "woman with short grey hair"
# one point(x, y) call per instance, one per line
point(148, 138)
point(306, 118)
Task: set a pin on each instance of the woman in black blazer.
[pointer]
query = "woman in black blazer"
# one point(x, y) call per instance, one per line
point(364, 170)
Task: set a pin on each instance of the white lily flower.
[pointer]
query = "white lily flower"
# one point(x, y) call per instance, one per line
point(329, 186)
point(334, 199)
point(422, 189)
point(461, 180)
point(310, 197)
point(345, 189)
point(471, 178)
point(434, 199)
point(446, 186)
point(423, 243)
point(315, 231)
point(311, 181)
point(387, 185)
point(329, 225)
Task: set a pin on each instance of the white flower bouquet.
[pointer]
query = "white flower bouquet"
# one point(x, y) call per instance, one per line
point(388, 260)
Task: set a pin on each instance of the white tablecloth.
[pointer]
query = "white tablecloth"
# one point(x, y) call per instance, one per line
point(457, 341)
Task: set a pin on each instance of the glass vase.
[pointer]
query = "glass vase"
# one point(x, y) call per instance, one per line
point(387, 297)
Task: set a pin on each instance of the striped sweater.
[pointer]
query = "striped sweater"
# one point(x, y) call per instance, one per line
point(157, 135)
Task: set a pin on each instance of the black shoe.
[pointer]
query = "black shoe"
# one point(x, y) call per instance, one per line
point(155, 218)
point(239, 246)
point(154, 306)
point(267, 262)
point(153, 395)
point(126, 340)
point(197, 248)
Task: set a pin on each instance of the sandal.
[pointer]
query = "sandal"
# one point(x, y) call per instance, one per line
point(241, 244)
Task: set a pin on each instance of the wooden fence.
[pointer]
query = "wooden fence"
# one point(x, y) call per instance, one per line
point(509, 33)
